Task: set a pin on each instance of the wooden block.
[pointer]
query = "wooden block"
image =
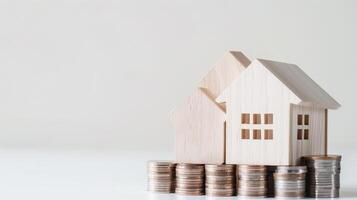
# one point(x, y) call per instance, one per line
point(199, 130)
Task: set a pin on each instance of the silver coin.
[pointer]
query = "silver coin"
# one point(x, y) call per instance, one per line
point(291, 169)
point(323, 177)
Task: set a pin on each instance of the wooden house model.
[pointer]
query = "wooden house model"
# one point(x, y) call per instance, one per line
point(265, 113)
point(275, 115)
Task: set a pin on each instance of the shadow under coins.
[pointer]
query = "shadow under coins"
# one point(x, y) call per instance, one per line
point(348, 193)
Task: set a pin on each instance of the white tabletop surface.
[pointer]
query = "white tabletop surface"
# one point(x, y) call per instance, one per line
point(103, 174)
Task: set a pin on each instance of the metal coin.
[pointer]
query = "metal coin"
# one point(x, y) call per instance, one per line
point(161, 176)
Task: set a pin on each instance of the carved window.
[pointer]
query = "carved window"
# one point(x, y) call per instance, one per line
point(268, 134)
point(259, 124)
point(245, 134)
point(299, 120)
point(303, 122)
point(245, 118)
point(256, 119)
point(299, 134)
point(306, 134)
point(306, 119)
point(268, 118)
point(257, 134)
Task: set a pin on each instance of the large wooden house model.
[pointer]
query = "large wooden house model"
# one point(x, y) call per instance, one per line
point(256, 113)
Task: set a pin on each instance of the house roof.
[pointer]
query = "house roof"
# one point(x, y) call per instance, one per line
point(224, 72)
point(300, 83)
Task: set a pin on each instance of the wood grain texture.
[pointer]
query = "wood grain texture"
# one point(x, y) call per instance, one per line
point(315, 145)
point(285, 91)
point(258, 91)
point(300, 84)
point(223, 73)
point(199, 130)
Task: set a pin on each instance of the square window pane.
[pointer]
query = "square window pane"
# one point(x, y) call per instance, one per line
point(245, 134)
point(245, 118)
point(256, 119)
point(268, 118)
point(299, 120)
point(257, 134)
point(268, 134)
point(306, 134)
point(306, 119)
point(299, 134)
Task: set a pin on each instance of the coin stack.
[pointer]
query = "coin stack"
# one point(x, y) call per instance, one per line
point(252, 180)
point(289, 181)
point(220, 180)
point(323, 177)
point(270, 179)
point(190, 179)
point(161, 176)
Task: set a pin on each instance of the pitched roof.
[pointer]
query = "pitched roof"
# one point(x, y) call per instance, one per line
point(224, 72)
point(300, 83)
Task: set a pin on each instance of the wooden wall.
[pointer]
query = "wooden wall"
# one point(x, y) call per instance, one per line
point(316, 142)
point(258, 91)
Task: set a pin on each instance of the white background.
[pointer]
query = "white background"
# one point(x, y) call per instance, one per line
point(103, 75)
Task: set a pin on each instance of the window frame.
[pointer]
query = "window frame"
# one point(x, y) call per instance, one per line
point(303, 126)
point(257, 126)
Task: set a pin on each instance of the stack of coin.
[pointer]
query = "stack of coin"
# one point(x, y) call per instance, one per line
point(323, 177)
point(270, 178)
point(252, 181)
point(190, 179)
point(161, 176)
point(289, 181)
point(220, 180)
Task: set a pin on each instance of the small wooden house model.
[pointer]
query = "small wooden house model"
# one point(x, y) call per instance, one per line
point(255, 113)
point(199, 122)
